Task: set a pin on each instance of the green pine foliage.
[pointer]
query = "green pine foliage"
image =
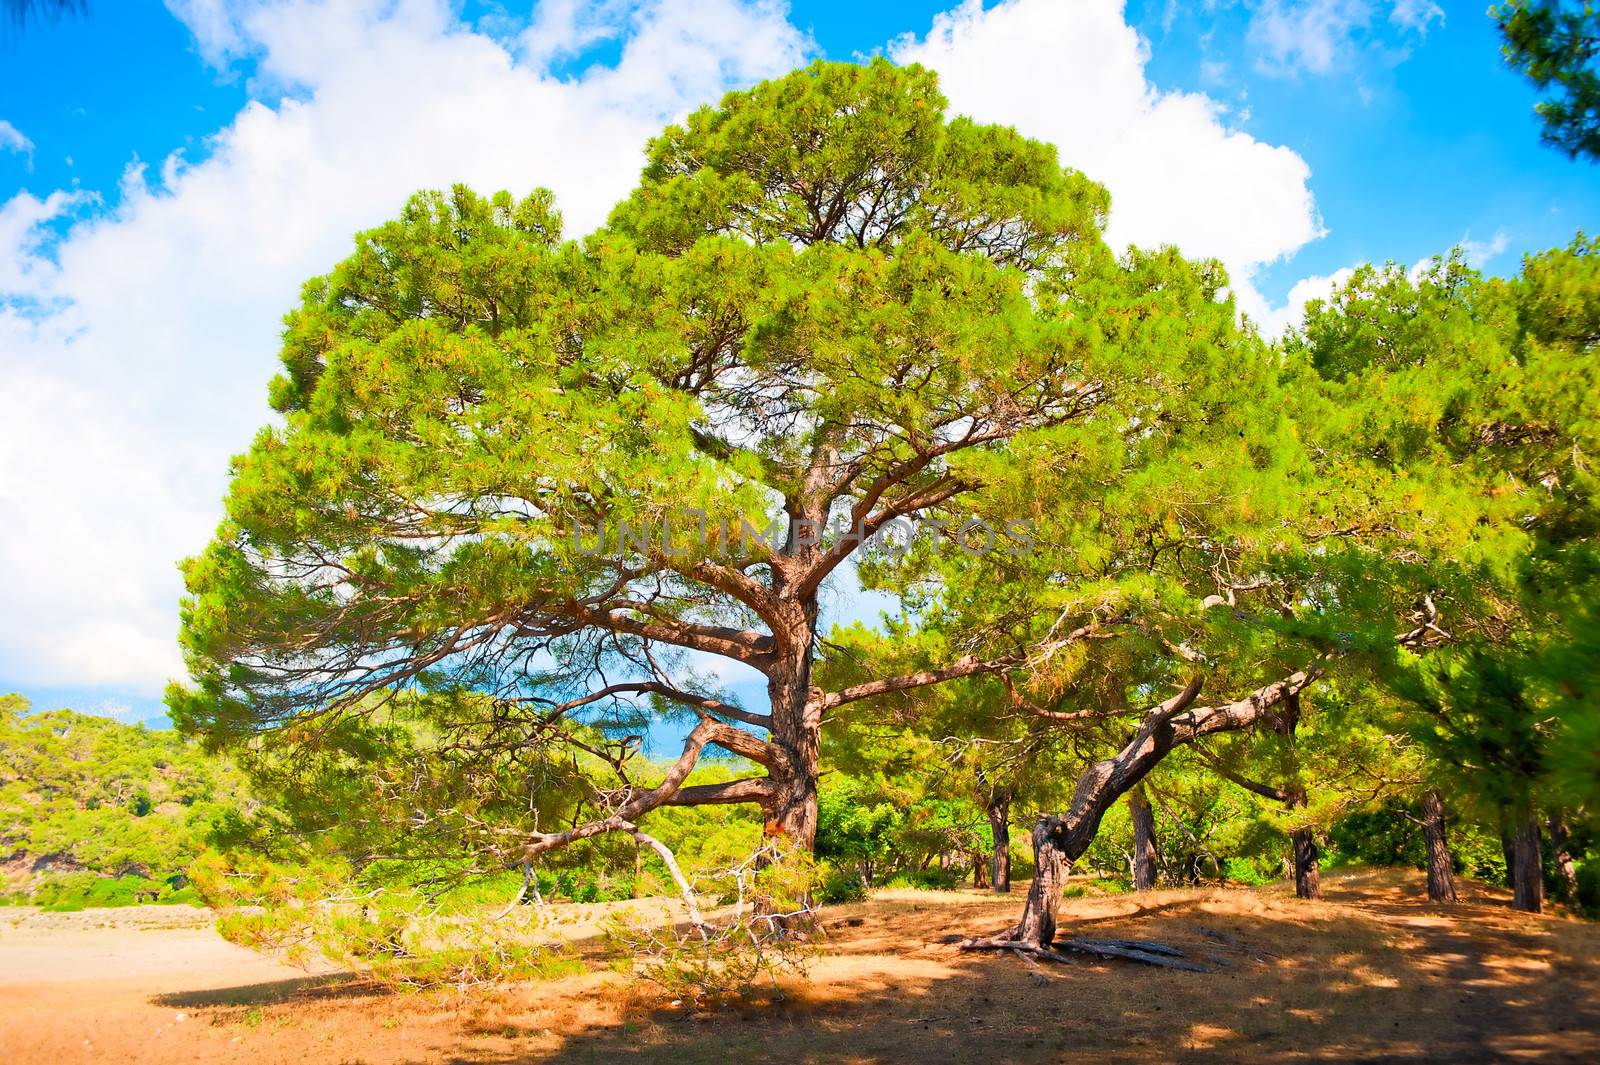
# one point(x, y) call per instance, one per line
point(1554, 43)
point(94, 812)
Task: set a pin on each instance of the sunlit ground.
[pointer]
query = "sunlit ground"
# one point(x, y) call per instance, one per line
point(1373, 973)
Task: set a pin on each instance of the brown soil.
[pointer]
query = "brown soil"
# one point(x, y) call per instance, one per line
point(1373, 974)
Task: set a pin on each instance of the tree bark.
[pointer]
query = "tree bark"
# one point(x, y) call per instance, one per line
point(796, 728)
point(1527, 880)
point(1509, 852)
point(1051, 868)
point(1561, 855)
point(1441, 871)
point(1307, 864)
point(1000, 835)
point(1144, 840)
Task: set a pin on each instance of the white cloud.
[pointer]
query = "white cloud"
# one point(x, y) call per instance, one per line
point(563, 28)
point(1075, 76)
point(22, 272)
point(1479, 252)
point(1321, 36)
point(215, 25)
point(135, 357)
point(1313, 35)
point(1276, 321)
point(1416, 15)
point(12, 140)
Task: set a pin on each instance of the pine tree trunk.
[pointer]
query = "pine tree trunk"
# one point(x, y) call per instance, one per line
point(1441, 873)
point(1060, 841)
point(1561, 855)
point(1509, 852)
point(1000, 834)
point(1051, 867)
point(1307, 864)
point(1144, 840)
point(1527, 880)
point(796, 728)
point(790, 812)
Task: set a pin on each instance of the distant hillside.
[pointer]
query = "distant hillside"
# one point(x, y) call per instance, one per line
point(94, 812)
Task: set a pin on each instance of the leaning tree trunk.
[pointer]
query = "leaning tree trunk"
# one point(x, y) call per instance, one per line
point(1060, 841)
point(1051, 867)
point(1307, 864)
point(1144, 840)
point(1527, 880)
point(1441, 872)
point(1000, 833)
point(1561, 855)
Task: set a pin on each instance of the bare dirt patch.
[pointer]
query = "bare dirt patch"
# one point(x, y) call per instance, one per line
point(1374, 973)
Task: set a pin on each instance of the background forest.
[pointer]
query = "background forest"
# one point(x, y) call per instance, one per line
point(94, 812)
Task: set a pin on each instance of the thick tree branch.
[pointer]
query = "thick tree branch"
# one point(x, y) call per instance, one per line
point(729, 793)
point(700, 703)
point(966, 667)
point(743, 645)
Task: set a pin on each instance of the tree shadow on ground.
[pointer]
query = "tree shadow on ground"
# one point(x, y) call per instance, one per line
point(1371, 974)
point(310, 988)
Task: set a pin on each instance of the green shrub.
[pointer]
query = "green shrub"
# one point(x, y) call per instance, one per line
point(930, 879)
point(1589, 887)
point(836, 886)
point(1252, 871)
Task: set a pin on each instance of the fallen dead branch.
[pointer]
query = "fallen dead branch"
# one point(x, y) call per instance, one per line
point(1145, 951)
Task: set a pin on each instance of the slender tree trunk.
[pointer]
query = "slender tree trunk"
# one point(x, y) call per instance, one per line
point(1051, 867)
point(980, 870)
point(1566, 869)
point(1000, 835)
point(1527, 881)
point(1441, 873)
point(1307, 864)
point(1144, 840)
point(1509, 852)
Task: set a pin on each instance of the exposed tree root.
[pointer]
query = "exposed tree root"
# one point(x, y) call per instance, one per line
point(1140, 950)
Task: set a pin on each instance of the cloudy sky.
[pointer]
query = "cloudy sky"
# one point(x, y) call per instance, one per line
point(170, 175)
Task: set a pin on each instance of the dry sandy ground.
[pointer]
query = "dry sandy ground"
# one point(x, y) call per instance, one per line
point(1372, 974)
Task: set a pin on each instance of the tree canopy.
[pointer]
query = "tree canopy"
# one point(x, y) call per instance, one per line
point(1555, 44)
point(527, 489)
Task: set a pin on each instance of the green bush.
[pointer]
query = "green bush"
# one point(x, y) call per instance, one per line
point(1383, 836)
point(836, 886)
point(930, 879)
point(66, 892)
point(1252, 871)
point(1589, 887)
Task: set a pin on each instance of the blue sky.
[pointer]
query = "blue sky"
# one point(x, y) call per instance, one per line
point(167, 181)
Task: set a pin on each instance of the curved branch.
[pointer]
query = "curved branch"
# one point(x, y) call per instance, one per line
point(636, 804)
point(671, 863)
point(1266, 791)
point(701, 703)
